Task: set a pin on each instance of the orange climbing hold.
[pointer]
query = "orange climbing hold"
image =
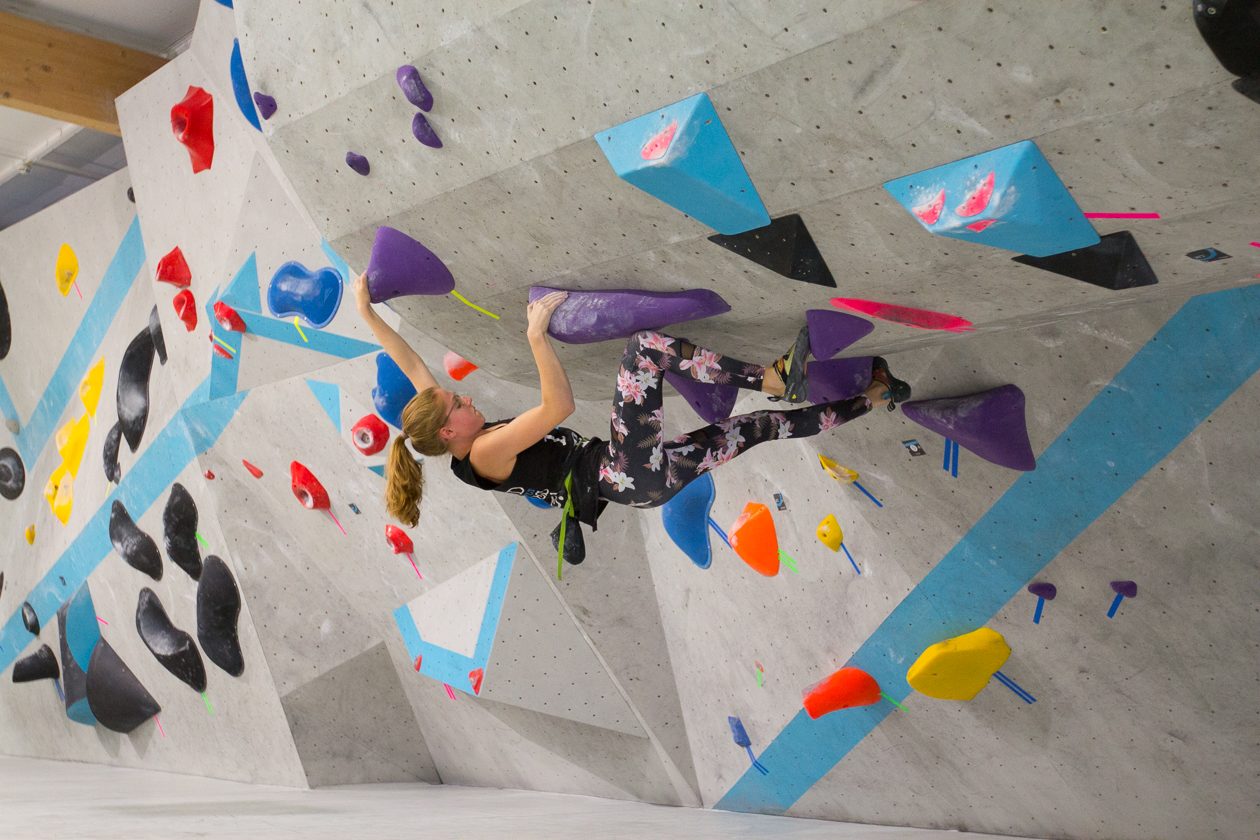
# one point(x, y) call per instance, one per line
point(192, 121)
point(754, 539)
point(173, 269)
point(457, 367)
point(186, 308)
point(254, 471)
point(845, 689)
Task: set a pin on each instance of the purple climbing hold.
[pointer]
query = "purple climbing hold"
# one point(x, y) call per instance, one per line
point(1043, 590)
point(358, 163)
point(266, 105)
point(424, 132)
point(400, 265)
point(1127, 588)
point(989, 424)
point(836, 379)
point(415, 91)
point(712, 402)
point(831, 331)
point(588, 317)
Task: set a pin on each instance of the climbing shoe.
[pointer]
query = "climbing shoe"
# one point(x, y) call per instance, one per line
point(791, 369)
point(897, 390)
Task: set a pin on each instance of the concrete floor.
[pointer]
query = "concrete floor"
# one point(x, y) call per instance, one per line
point(41, 799)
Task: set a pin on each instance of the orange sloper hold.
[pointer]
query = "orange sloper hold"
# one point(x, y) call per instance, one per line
point(192, 121)
point(457, 367)
point(958, 668)
point(844, 689)
point(173, 269)
point(754, 539)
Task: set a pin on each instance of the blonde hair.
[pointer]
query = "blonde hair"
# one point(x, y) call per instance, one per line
point(422, 418)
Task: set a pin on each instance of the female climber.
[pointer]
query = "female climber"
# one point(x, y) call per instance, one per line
point(533, 455)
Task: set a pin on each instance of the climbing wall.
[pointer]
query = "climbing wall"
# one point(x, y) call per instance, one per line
point(1053, 211)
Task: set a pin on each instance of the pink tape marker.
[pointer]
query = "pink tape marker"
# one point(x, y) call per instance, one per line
point(1122, 215)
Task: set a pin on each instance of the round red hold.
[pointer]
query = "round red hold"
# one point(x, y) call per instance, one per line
point(370, 434)
point(228, 317)
point(307, 489)
point(210, 475)
point(398, 540)
point(186, 308)
point(173, 269)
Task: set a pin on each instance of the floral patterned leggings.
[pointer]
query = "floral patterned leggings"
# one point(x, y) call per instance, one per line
point(641, 469)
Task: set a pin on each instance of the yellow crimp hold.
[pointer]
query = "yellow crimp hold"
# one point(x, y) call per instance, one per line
point(958, 668)
point(30, 534)
point(829, 532)
point(50, 489)
point(60, 493)
point(67, 269)
point(71, 441)
point(842, 474)
point(90, 387)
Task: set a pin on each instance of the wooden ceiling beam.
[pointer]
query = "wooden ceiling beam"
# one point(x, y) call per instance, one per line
point(64, 75)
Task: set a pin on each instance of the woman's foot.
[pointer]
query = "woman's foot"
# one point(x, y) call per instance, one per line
point(894, 389)
point(876, 395)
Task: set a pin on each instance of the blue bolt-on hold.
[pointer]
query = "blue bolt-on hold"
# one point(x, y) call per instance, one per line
point(683, 156)
point(1008, 198)
point(686, 519)
point(240, 86)
point(315, 296)
point(393, 390)
point(738, 732)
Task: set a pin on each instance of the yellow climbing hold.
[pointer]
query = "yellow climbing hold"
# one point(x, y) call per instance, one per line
point(829, 532)
point(958, 668)
point(71, 441)
point(30, 535)
point(50, 489)
point(90, 387)
point(67, 269)
point(64, 501)
point(842, 474)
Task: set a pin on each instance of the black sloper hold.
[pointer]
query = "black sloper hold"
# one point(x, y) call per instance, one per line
point(133, 387)
point(6, 325)
point(12, 474)
point(112, 441)
point(116, 698)
point(155, 333)
point(29, 618)
point(172, 647)
point(179, 523)
point(218, 607)
point(135, 546)
point(40, 665)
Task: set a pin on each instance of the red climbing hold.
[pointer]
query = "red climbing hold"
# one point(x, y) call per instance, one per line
point(930, 212)
point(220, 349)
point(254, 471)
point(474, 677)
point(173, 269)
point(228, 317)
point(656, 148)
point(210, 475)
point(977, 199)
point(192, 120)
point(307, 489)
point(844, 689)
point(419, 658)
point(398, 540)
point(370, 434)
point(457, 367)
point(186, 308)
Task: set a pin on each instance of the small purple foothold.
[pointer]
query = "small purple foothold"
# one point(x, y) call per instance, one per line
point(424, 132)
point(831, 331)
point(358, 163)
point(1127, 588)
point(587, 317)
point(1043, 590)
point(989, 424)
point(417, 94)
point(400, 265)
point(266, 105)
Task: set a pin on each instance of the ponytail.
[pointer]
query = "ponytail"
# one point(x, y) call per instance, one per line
point(404, 484)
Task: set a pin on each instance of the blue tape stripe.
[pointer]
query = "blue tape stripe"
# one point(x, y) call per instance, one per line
point(277, 330)
point(329, 397)
point(123, 269)
point(7, 408)
point(343, 268)
point(1099, 456)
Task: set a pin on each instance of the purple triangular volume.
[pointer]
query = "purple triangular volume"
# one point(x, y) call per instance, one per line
point(831, 331)
point(400, 265)
point(587, 317)
point(712, 402)
point(989, 424)
point(836, 379)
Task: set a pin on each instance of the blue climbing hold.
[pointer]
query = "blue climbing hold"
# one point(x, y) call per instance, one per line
point(683, 156)
point(227, 3)
point(315, 296)
point(1008, 198)
point(393, 390)
point(686, 519)
point(240, 86)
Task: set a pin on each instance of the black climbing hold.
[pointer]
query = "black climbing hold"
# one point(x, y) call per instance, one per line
point(171, 646)
point(73, 675)
point(131, 195)
point(114, 695)
point(1249, 88)
point(113, 439)
point(1, 583)
point(218, 606)
point(29, 618)
point(1116, 262)
point(133, 387)
point(179, 524)
point(12, 474)
point(135, 546)
point(1232, 30)
point(785, 247)
point(155, 332)
point(40, 665)
point(6, 325)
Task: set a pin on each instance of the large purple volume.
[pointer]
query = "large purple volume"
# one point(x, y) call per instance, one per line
point(831, 331)
point(712, 402)
point(400, 265)
point(990, 424)
point(836, 379)
point(587, 317)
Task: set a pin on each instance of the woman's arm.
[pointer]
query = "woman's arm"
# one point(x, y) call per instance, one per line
point(399, 350)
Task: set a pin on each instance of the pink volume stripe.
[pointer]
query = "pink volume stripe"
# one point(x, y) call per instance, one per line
point(1122, 215)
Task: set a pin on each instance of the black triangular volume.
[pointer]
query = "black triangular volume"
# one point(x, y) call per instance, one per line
point(1114, 263)
point(785, 247)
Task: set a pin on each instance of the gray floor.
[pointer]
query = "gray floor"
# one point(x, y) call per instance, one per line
point(42, 799)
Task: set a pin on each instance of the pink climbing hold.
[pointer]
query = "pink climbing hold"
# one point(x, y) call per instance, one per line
point(173, 269)
point(924, 319)
point(977, 199)
point(976, 227)
point(457, 367)
point(656, 148)
point(929, 213)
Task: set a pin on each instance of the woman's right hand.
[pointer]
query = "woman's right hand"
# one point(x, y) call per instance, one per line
point(362, 298)
point(538, 312)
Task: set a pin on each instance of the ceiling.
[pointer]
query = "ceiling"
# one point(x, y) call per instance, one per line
point(43, 160)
